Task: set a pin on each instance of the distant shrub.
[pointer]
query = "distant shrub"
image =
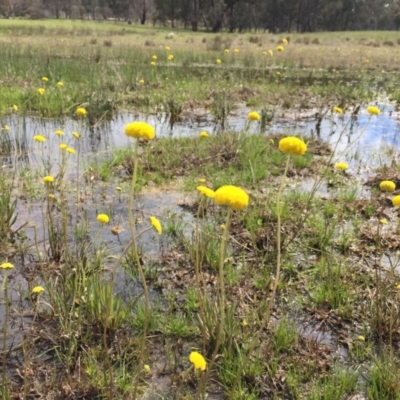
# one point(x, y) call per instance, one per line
point(93, 41)
point(204, 40)
point(398, 41)
point(306, 40)
point(254, 39)
point(107, 43)
point(316, 41)
point(219, 43)
point(388, 43)
point(347, 39)
point(149, 43)
point(298, 40)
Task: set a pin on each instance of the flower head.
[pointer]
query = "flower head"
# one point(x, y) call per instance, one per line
point(103, 218)
point(76, 135)
point(236, 50)
point(271, 53)
point(60, 83)
point(206, 191)
point(156, 224)
point(37, 290)
point(59, 132)
point(231, 196)
point(202, 180)
point(39, 138)
point(48, 179)
point(218, 61)
point(6, 265)
point(279, 48)
point(6, 128)
point(264, 53)
point(361, 338)
point(170, 57)
point(41, 91)
point(396, 201)
point(387, 186)
point(154, 58)
point(70, 150)
point(204, 134)
point(292, 145)
point(285, 41)
point(147, 368)
point(153, 64)
point(15, 108)
point(226, 51)
point(45, 79)
point(63, 146)
point(198, 360)
point(373, 110)
point(140, 130)
point(337, 110)
point(383, 221)
point(253, 116)
point(81, 112)
point(167, 48)
point(141, 81)
point(341, 166)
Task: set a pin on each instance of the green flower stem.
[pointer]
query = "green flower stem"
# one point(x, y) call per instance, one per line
point(4, 375)
point(220, 332)
point(267, 315)
point(140, 270)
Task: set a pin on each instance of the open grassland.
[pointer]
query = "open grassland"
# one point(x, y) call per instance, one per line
point(232, 264)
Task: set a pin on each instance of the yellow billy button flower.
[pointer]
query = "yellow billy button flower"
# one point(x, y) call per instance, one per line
point(253, 116)
point(373, 110)
point(218, 61)
point(167, 48)
point(59, 132)
point(70, 150)
point(271, 53)
point(147, 368)
point(139, 130)
point(45, 79)
point(48, 179)
point(156, 224)
point(383, 221)
point(170, 57)
point(198, 360)
point(387, 186)
point(6, 265)
point(153, 64)
point(202, 180)
point(279, 48)
point(76, 135)
point(37, 290)
point(103, 218)
point(264, 53)
point(63, 146)
point(337, 110)
point(204, 134)
point(206, 191)
point(285, 41)
point(396, 201)
point(81, 112)
point(141, 81)
point(39, 138)
point(236, 50)
point(398, 287)
point(231, 196)
point(361, 338)
point(341, 166)
point(15, 108)
point(6, 128)
point(226, 51)
point(292, 145)
point(60, 84)
point(41, 91)
point(154, 58)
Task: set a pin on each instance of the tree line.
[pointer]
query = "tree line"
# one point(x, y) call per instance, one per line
point(216, 15)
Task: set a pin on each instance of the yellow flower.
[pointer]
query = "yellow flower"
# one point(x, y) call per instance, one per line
point(45, 79)
point(373, 110)
point(223, 227)
point(147, 368)
point(60, 84)
point(206, 191)
point(59, 132)
point(103, 218)
point(337, 110)
point(154, 57)
point(226, 51)
point(383, 221)
point(231, 196)
point(279, 48)
point(218, 61)
point(6, 265)
point(253, 116)
point(6, 128)
point(236, 50)
point(15, 108)
point(141, 81)
point(366, 61)
point(361, 338)
point(198, 360)
point(342, 166)
point(292, 145)
point(271, 53)
point(63, 146)
point(278, 73)
point(70, 150)
point(167, 48)
point(156, 224)
point(398, 286)
point(170, 57)
point(387, 186)
point(39, 138)
point(153, 64)
point(81, 112)
point(118, 188)
point(204, 134)
point(140, 130)
point(37, 290)
point(76, 135)
point(41, 91)
point(285, 41)
point(244, 323)
point(264, 53)
point(396, 201)
point(48, 179)
point(202, 180)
